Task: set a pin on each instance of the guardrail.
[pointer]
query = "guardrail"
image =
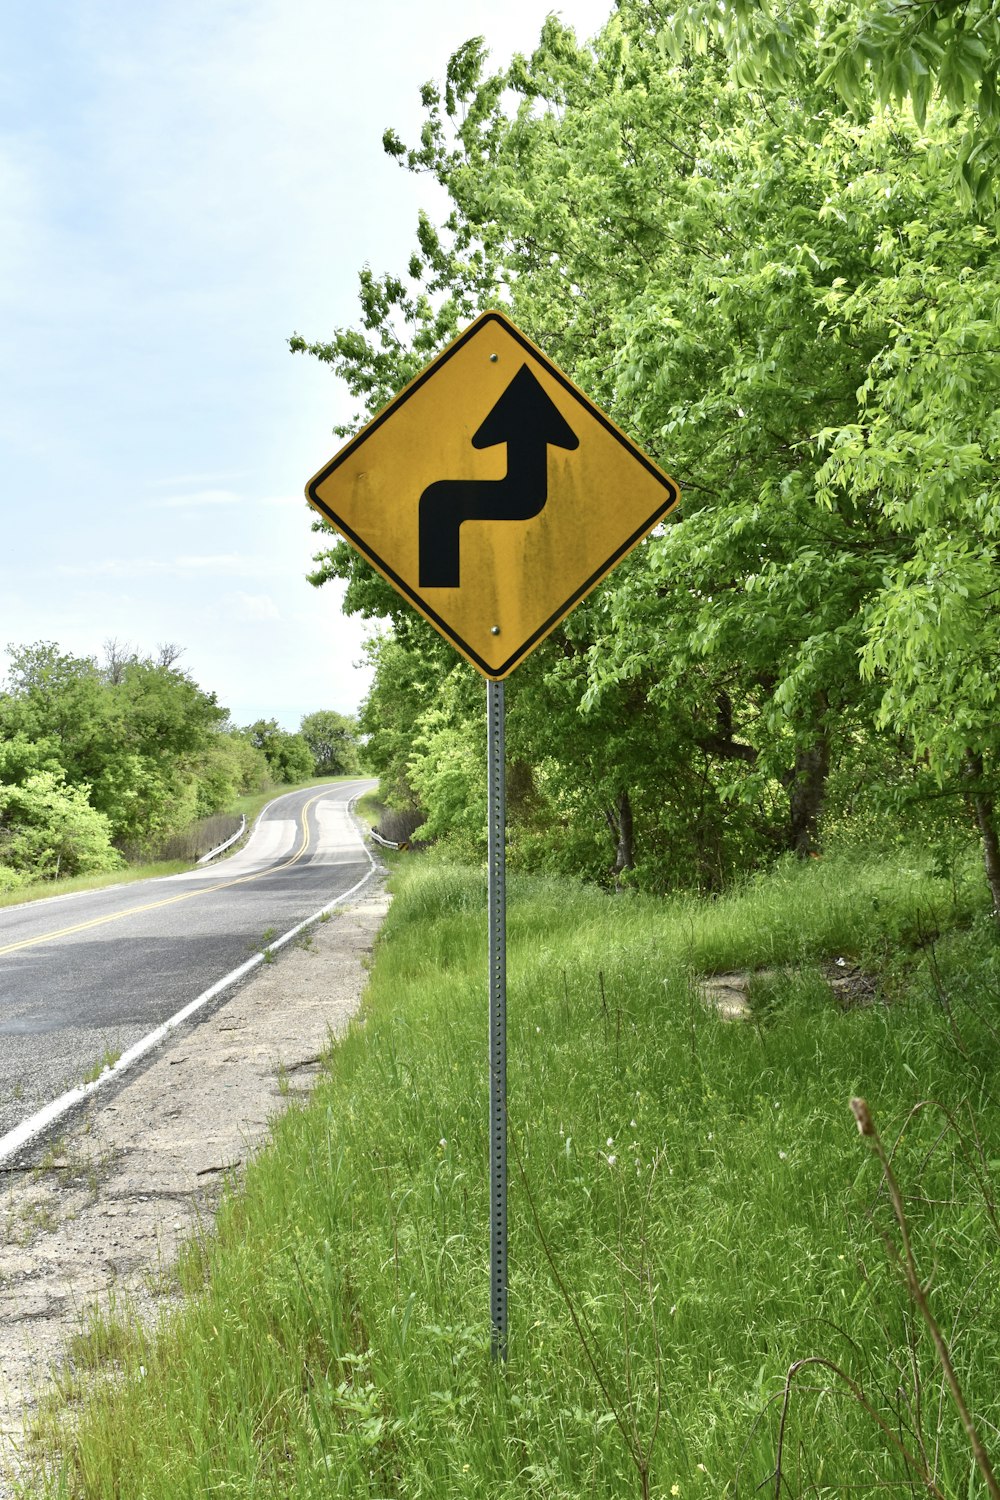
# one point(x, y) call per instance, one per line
point(387, 843)
point(222, 847)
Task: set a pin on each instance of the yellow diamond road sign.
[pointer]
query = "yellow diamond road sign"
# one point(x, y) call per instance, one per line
point(492, 494)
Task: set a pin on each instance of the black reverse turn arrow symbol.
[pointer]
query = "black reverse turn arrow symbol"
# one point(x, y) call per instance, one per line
point(524, 418)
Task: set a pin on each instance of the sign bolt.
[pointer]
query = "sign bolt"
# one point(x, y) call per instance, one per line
point(494, 358)
point(495, 630)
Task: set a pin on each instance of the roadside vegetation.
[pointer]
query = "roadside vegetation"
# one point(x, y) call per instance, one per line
point(767, 246)
point(764, 239)
point(124, 768)
point(708, 1290)
point(193, 841)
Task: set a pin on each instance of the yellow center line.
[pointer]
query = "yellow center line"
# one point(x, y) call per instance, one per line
point(116, 916)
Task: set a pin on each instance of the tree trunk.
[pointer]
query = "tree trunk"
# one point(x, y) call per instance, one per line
point(806, 794)
point(986, 818)
point(619, 821)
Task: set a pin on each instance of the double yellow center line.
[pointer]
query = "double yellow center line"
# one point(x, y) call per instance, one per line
point(132, 911)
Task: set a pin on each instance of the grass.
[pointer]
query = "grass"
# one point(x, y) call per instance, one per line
point(251, 805)
point(709, 1290)
point(370, 808)
point(102, 1064)
point(43, 890)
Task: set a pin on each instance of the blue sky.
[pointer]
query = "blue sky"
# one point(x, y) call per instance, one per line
point(184, 183)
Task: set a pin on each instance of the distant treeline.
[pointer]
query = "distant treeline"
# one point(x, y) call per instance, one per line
point(101, 761)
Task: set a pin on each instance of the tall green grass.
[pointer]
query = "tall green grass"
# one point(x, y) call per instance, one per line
point(692, 1212)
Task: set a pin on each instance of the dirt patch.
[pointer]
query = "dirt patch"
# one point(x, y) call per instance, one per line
point(729, 995)
point(99, 1212)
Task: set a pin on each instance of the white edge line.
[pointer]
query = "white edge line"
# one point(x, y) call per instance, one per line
point(35, 1125)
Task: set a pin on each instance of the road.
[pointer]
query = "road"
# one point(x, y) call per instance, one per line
point(85, 976)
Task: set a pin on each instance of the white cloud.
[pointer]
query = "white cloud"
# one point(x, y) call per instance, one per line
point(197, 499)
point(176, 481)
point(254, 606)
point(229, 564)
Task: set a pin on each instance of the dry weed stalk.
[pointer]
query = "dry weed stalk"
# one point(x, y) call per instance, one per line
point(918, 1294)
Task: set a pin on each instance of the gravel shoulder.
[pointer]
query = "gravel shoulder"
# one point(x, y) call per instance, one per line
point(99, 1211)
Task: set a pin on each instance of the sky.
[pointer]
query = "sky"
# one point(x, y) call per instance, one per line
point(183, 185)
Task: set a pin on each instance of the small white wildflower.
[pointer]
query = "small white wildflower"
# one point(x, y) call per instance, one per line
point(538, 1029)
point(612, 1160)
point(710, 1135)
point(633, 1125)
point(610, 1140)
point(442, 1142)
point(673, 1309)
point(782, 1155)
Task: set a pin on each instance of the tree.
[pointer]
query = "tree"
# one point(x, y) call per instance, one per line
point(229, 767)
point(406, 680)
point(148, 748)
point(783, 304)
point(333, 742)
point(48, 828)
point(288, 756)
point(872, 54)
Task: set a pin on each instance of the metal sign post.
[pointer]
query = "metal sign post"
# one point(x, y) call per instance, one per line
point(493, 560)
point(497, 906)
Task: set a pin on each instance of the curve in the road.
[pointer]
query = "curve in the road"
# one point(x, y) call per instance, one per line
point(267, 855)
point(207, 890)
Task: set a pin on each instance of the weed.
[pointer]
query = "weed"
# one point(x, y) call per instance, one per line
point(106, 1338)
point(52, 1158)
point(33, 1219)
point(103, 1064)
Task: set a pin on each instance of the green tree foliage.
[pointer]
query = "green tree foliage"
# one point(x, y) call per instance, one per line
point(781, 299)
point(136, 732)
point(405, 682)
point(870, 54)
point(48, 828)
point(333, 742)
point(229, 767)
point(288, 756)
point(131, 739)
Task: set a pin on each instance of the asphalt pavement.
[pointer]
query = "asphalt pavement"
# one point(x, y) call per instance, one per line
point(84, 976)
